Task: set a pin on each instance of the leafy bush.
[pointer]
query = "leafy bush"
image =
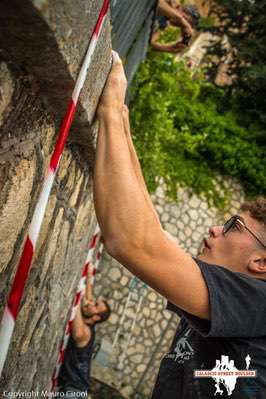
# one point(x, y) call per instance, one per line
point(170, 34)
point(181, 134)
point(243, 23)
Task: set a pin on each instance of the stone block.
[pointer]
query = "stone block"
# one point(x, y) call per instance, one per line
point(171, 228)
point(188, 231)
point(152, 296)
point(7, 87)
point(141, 368)
point(146, 312)
point(164, 217)
point(193, 214)
point(15, 198)
point(160, 193)
point(124, 281)
point(159, 209)
point(194, 202)
point(185, 218)
point(196, 236)
point(175, 211)
point(115, 274)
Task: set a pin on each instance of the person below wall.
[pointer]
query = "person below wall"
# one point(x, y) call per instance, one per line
point(168, 13)
point(220, 295)
point(73, 379)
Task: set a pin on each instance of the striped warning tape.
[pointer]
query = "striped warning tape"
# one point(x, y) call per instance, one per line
point(13, 302)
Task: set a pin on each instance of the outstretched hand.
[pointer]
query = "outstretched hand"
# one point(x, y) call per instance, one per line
point(177, 47)
point(114, 93)
point(187, 30)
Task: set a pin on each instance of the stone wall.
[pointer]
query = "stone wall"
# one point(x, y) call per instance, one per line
point(188, 221)
point(42, 45)
point(26, 145)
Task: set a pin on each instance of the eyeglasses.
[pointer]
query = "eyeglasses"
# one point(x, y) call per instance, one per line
point(238, 223)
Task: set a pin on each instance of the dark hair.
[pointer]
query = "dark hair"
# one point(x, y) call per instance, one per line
point(257, 209)
point(194, 14)
point(106, 313)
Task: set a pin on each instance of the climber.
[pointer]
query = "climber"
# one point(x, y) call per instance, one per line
point(73, 380)
point(220, 295)
point(185, 17)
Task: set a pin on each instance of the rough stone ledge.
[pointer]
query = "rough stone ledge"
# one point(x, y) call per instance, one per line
point(48, 39)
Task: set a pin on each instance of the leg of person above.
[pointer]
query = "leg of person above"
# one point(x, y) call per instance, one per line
point(176, 15)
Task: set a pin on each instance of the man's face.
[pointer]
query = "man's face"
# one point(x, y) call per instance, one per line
point(94, 308)
point(233, 249)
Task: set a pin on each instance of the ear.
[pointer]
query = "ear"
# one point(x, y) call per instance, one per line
point(257, 262)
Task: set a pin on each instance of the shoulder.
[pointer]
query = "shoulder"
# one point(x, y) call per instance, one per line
point(85, 338)
point(214, 272)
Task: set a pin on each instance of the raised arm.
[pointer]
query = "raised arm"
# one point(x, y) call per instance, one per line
point(81, 332)
point(132, 231)
point(88, 295)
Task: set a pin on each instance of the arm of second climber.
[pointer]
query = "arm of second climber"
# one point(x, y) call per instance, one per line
point(81, 332)
point(88, 295)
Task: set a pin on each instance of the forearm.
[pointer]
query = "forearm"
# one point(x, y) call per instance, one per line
point(168, 48)
point(135, 160)
point(88, 297)
point(122, 209)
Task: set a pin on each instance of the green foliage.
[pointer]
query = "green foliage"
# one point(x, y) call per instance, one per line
point(170, 34)
point(180, 134)
point(206, 23)
point(244, 24)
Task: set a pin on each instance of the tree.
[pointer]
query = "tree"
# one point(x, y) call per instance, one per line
point(182, 136)
point(243, 23)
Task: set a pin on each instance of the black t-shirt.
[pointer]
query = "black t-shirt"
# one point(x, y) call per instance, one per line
point(234, 340)
point(75, 370)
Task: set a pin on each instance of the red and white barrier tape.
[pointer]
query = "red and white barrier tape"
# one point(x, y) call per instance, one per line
point(13, 302)
point(77, 298)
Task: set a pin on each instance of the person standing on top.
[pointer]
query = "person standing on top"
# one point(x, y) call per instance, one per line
point(169, 13)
